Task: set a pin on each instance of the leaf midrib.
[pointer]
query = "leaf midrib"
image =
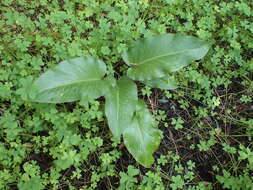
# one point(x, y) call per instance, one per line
point(72, 83)
point(117, 115)
point(142, 137)
point(164, 55)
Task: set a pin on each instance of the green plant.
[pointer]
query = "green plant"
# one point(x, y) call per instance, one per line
point(151, 61)
point(128, 179)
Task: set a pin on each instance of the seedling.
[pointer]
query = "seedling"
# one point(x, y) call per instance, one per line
point(151, 61)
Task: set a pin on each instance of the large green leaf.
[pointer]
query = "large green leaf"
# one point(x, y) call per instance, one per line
point(155, 56)
point(142, 137)
point(166, 83)
point(120, 105)
point(71, 80)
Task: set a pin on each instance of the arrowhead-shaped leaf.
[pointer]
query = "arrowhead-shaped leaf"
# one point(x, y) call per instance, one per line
point(71, 80)
point(155, 56)
point(142, 137)
point(120, 105)
point(166, 83)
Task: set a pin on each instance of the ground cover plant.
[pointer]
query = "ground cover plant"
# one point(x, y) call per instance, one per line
point(207, 122)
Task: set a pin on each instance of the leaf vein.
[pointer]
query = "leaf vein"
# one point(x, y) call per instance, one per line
point(69, 84)
point(164, 55)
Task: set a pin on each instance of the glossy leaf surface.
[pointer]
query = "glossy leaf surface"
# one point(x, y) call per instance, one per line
point(155, 56)
point(166, 83)
point(142, 137)
point(71, 80)
point(120, 105)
